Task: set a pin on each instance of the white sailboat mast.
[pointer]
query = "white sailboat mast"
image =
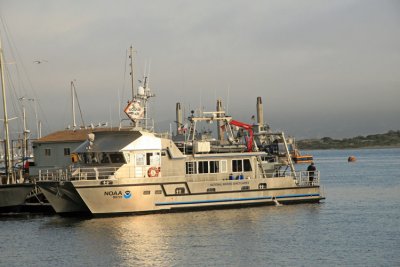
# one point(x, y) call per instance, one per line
point(25, 145)
point(73, 106)
point(10, 177)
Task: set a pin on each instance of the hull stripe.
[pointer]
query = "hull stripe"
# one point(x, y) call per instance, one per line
point(232, 200)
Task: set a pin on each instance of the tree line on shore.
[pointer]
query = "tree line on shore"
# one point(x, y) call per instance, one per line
point(389, 139)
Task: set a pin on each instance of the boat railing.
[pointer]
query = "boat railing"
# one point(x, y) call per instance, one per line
point(306, 178)
point(67, 174)
point(302, 178)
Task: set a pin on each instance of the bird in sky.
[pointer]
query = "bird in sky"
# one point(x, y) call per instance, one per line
point(39, 61)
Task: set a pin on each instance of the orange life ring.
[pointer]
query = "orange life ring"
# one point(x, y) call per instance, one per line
point(153, 172)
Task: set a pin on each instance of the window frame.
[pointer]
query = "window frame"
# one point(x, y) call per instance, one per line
point(191, 167)
point(247, 165)
point(214, 166)
point(67, 151)
point(203, 167)
point(47, 152)
point(241, 165)
point(237, 165)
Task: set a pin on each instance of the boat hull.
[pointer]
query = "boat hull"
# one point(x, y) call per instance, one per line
point(63, 197)
point(123, 196)
point(12, 196)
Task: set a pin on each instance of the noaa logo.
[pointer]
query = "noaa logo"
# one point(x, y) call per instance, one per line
point(127, 194)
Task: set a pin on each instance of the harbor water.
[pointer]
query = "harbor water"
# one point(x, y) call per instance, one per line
point(357, 225)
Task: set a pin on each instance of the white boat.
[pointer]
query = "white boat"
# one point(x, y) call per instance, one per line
point(147, 173)
point(135, 170)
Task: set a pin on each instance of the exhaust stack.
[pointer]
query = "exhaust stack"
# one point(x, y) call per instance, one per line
point(220, 130)
point(179, 122)
point(260, 115)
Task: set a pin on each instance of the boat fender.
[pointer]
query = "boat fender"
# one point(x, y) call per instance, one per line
point(153, 172)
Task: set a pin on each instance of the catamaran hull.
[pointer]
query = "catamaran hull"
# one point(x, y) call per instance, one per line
point(120, 198)
point(63, 197)
point(12, 196)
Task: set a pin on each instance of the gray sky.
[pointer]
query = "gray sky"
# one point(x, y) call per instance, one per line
point(323, 68)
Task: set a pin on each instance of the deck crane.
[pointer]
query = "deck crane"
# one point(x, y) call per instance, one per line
point(248, 128)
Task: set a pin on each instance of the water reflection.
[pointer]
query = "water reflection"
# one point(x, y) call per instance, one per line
point(180, 238)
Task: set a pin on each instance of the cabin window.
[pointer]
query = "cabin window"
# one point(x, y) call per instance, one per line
point(82, 157)
point(241, 165)
point(67, 152)
point(147, 192)
point(93, 158)
point(262, 186)
point(203, 166)
point(191, 167)
point(155, 159)
point(163, 153)
point(211, 189)
point(158, 192)
point(224, 168)
point(148, 156)
point(246, 187)
point(180, 191)
point(139, 159)
point(214, 166)
point(103, 157)
point(152, 159)
point(47, 152)
point(117, 158)
point(237, 165)
point(247, 165)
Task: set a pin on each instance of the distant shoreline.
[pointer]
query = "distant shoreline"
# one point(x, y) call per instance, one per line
point(353, 148)
point(391, 139)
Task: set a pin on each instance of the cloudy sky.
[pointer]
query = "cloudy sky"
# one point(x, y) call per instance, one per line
point(323, 68)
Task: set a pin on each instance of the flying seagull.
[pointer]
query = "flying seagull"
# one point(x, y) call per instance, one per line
point(39, 61)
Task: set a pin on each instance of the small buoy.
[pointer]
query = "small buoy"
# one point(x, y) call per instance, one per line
point(351, 159)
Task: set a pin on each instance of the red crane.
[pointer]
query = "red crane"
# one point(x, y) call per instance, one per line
point(247, 127)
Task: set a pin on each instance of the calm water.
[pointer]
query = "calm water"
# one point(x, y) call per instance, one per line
point(357, 225)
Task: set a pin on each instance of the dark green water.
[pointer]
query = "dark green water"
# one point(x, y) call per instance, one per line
point(357, 225)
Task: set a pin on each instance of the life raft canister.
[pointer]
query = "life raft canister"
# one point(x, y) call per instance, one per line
point(153, 172)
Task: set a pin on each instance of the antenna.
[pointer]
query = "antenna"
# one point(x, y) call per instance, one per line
point(227, 101)
point(132, 74)
point(148, 73)
point(137, 109)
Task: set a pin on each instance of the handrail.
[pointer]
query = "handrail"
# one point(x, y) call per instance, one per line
point(93, 173)
point(301, 178)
